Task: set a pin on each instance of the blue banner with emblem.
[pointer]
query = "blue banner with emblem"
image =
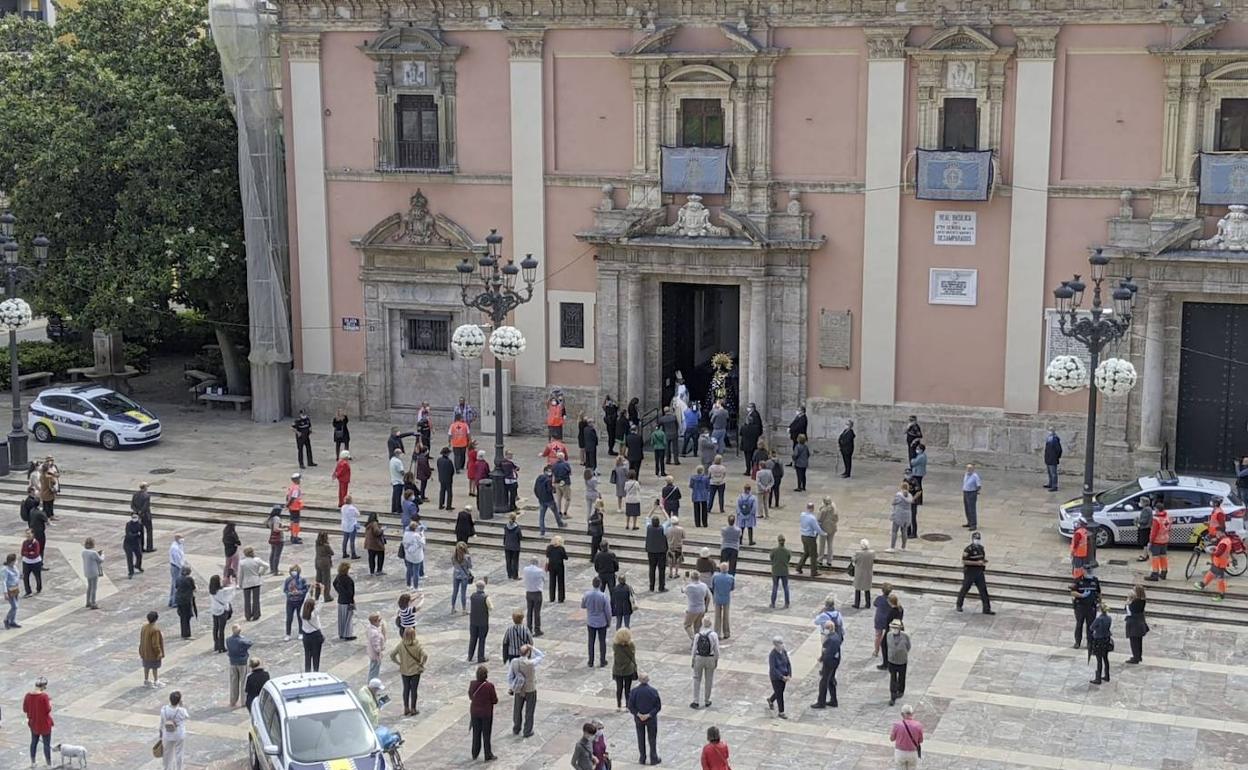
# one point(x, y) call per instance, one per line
point(953, 176)
point(1223, 178)
point(701, 170)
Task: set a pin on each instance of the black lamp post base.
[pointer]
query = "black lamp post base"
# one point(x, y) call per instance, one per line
point(502, 501)
point(17, 450)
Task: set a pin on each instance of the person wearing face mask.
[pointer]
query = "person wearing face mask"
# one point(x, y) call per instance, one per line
point(295, 589)
point(132, 545)
point(974, 560)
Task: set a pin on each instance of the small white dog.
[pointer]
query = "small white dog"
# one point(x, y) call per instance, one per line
point(71, 755)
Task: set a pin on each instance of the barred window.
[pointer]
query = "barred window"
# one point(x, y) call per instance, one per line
point(428, 334)
point(571, 325)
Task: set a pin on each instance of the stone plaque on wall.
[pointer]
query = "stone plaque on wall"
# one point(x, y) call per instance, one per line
point(835, 338)
point(1057, 344)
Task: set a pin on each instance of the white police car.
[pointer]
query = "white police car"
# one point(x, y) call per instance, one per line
point(311, 721)
point(91, 413)
point(1187, 499)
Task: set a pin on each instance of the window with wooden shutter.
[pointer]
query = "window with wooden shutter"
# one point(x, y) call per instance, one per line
point(416, 131)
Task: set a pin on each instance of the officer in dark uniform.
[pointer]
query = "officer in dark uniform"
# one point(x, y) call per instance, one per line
point(1085, 594)
point(303, 437)
point(974, 559)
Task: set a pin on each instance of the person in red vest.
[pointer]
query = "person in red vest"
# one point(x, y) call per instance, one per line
point(1220, 559)
point(294, 504)
point(555, 413)
point(1158, 544)
point(1079, 549)
point(460, 436)
point(342, 472)
point(552, 450)
point(1217, 521)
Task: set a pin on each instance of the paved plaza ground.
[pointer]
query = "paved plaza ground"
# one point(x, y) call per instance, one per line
point(994, 692)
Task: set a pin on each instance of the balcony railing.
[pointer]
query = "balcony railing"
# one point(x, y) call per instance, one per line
point(413, 156)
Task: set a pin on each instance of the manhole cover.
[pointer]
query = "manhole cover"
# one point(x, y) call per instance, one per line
point(162, 471)
point(935, 537)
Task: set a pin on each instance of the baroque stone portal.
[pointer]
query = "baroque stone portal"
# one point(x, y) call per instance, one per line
point(693, 221)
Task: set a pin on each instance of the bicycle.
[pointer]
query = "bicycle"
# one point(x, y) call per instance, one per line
point(1239, 555)
point(391, 744)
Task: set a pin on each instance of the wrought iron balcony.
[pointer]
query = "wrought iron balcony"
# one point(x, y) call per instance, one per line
point(413, 156)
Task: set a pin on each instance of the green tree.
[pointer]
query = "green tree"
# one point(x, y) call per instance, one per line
point(120, 145)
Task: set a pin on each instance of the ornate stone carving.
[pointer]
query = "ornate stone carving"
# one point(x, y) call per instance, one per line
point(1232, 232)
point(1036, 42)
point(886, 43)
point(960, 76)
point(693, 221)
point(418, 224)
point(525, 45)
point(303, 47)
point(795, 204)
point(1124, 205)
point(608, 201)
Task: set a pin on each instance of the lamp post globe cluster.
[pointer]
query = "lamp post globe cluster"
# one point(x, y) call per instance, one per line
point(15, 314)
point(490, 286)
point(1095, 328)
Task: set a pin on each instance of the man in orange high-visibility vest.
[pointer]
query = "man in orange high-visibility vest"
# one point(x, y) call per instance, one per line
point(1159, 544)
point(1079, 550)
point(294, 504)
point(460, 435)
point(1220, 559)
point(554, 418)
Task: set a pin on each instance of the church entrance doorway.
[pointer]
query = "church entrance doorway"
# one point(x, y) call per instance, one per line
point(699, 320)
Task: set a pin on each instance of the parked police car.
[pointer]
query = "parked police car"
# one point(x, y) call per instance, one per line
point(311, 721)
point(1187, 499)
point(91, 413)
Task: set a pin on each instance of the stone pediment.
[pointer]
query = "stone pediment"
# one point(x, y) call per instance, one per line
point(960, 40)
point(737, 41)
point(418, 229)
point(409, 41)
point(695, 227)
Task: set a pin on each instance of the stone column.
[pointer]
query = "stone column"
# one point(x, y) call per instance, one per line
point(756, 371)
point(1029, 211)
point(635, 350)
point(528, 197)
point(886, 103)
point(1152, 382)
point(307, 151)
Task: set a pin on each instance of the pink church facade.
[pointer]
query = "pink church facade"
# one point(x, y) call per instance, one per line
point(838, 265)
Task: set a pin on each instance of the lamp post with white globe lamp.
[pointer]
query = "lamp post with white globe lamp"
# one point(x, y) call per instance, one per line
point(1095, 329)
point(15, 314)
point(494, 293)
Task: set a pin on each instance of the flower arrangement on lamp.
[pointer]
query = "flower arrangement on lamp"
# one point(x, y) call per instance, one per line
point(507, 342)
point(1065, 375)
point(1115, 377)
point(468, 341)
point(15, 314)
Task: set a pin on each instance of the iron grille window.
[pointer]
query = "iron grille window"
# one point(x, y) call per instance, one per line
point(416, 131)
point(960, 125)
point(428, 334)
point(571, 325)
point(701, 123)
point(1233, 125)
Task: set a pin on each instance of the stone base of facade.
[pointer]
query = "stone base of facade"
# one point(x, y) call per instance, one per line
point(956, 435)
point(324, 394)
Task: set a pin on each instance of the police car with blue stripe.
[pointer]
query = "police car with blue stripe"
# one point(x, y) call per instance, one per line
point(311, 721)
point(1187, 499)
point(93, 414)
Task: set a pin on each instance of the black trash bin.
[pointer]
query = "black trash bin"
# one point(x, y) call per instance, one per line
point(485, 499)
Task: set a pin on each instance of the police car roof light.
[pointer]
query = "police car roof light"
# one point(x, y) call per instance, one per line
point(1167, 478)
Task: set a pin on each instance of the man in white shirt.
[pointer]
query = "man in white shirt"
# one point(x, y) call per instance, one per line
point(396, 480)
point(534, 586)
point(705, 651)
point(350, 522)
point(177, 560)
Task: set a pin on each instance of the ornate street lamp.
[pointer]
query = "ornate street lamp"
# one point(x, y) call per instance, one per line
point(15, 314)
point(494, 293)
point(1094, 328)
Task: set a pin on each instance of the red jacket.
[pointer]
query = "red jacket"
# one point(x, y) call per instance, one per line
point(715, 756)
point(1159, 532)
point(342, 472)
point(38, 708)
point(482, 697)
point(30, 549)
point(1079, 543)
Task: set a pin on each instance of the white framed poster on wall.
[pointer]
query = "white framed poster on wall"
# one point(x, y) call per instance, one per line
point(953, 286)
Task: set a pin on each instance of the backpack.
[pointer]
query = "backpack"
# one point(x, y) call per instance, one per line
point(703, 646)
point(24, 512)
point(743, 506)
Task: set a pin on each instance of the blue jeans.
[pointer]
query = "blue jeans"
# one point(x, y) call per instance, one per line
point(374, 669)
point(11, 618)
point(776, 581)
point(541, 516)
point(175, 572)
point(1052, 469)
point(459, 586)
point(413, 574)
point(348, 538)
point(718, 437)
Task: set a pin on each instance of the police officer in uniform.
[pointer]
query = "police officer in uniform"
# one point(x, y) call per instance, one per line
point(303, 437)
point(974, 560)
point(1085, 594)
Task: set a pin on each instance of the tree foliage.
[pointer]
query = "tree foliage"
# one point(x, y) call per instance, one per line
point(119, 145)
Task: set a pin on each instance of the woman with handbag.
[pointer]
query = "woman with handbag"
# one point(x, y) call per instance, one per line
point(375, 544)
point(1136, 624)
point(221, 599)
point(172, 732)
point(231, 543)
point(1100, 644)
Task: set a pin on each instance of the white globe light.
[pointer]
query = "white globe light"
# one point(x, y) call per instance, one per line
point(1115, 377)
point(468, 341)
point(1065, 375)
point(15, 314)
point(507, 343)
